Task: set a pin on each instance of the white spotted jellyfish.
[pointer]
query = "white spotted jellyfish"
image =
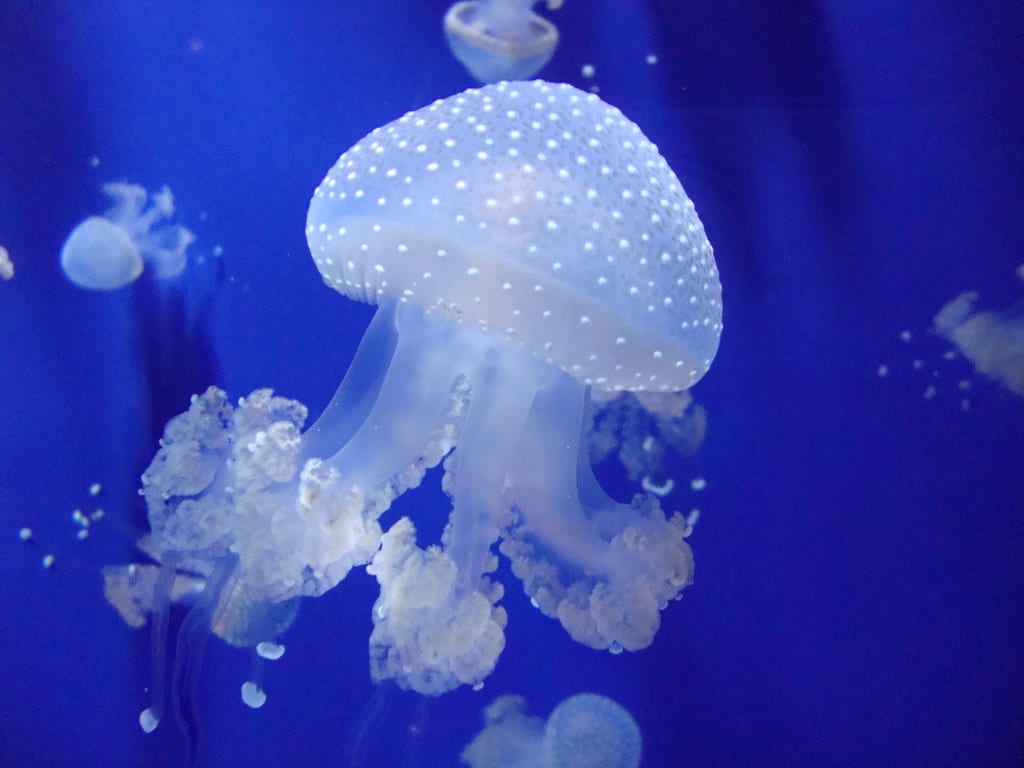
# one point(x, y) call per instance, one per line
point(525, 244)
point(500, 39)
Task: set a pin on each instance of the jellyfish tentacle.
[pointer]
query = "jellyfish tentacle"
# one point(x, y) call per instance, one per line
point(359, 388)
point(126, 212)
point(402, 425)
point(603, 568)
point(503, 392)
point(150, 717)
point(191, 648)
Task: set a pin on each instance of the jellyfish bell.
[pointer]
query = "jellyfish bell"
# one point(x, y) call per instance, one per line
point(100, 256)
point(110, 251)
point(500, 39)
point(586, 730)
point(569, 237)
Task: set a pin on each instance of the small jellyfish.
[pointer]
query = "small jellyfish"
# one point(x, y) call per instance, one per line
point(992, 340)
point(648, 431)
point(500, 39)
point(108, 252)
point(584, 731)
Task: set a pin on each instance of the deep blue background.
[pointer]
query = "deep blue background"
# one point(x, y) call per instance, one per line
point(859, 596)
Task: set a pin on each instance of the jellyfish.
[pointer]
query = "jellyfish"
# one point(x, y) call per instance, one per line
point(525, 244)
point(992, 340)
point(500, 39)
point(109, 251)
point(584, 731)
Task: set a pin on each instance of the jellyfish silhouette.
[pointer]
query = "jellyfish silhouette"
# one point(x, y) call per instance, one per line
point(584, 731)
point(524, 243)
point(500, 39)
point(647, 431)
point(108, 252)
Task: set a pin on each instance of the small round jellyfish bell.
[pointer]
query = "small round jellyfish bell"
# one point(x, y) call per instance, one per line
point(100, 256)
point(591, 731)
point(584, 731)
point(500, 39)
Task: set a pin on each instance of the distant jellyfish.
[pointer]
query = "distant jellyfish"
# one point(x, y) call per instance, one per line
point(992, 340)
point(109, 251)
point(501, 39)
point(584, 731)
point(647, 431)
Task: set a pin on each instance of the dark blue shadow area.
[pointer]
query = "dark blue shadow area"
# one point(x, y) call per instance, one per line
point(860, 551)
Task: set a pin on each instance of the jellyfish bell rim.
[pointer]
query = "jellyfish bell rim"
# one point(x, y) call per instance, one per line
point(489, 58)
point(439, 268)
point(568, 305)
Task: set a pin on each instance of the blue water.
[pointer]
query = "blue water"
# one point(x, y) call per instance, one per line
point(859, 589)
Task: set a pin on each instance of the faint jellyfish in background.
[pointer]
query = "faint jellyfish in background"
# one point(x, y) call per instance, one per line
point(109, 251)
point(6, 265)
point(992, 340)
point(647, 432)
point(501, 39)
point(584, 731)
point(517, 263)
point(989, 342)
